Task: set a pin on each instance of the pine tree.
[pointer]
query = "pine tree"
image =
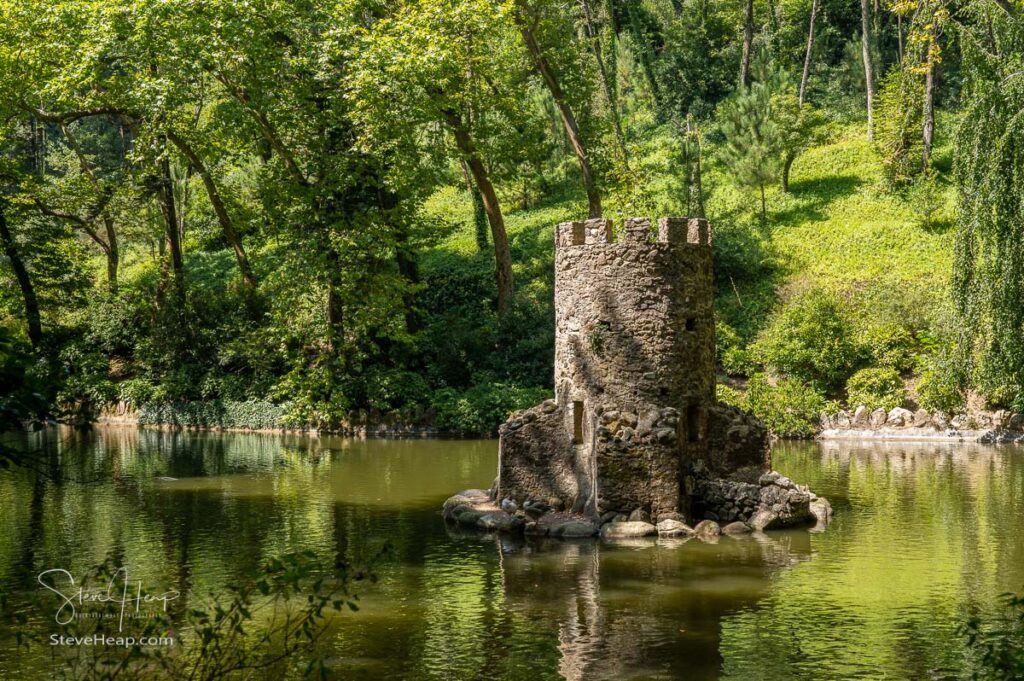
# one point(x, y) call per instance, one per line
point(753, 149)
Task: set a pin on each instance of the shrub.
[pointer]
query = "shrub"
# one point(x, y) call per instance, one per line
point(734, 358)
point(812, 340)
point(879, 387)
point(254, 414)
point(789, 408)
point(731, 397)
point(940, 385)
point(898, 119)
point(926, 199)
point(891, 345)
point(482, 408)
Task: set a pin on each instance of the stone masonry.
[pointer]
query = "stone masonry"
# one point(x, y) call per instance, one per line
point(634, 435)
point(634, 372)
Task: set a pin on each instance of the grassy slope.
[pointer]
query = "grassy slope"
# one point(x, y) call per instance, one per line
point(839, 228)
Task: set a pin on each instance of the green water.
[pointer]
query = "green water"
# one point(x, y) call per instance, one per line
point(923, 535)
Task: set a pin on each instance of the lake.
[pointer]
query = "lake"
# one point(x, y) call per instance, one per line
point(923, 536)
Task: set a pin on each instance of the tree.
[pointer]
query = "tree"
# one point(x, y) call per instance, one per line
point(748, 43)
point(467, 86)
point(988, 273)
point(798, 128)
point(807, 55)
point(753, 141)
point(528, 18)
point(869, 69)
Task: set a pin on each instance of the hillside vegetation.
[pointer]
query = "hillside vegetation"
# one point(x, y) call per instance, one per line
point(324, 213)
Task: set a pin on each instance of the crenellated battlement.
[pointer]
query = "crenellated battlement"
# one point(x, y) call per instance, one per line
point(635, 231)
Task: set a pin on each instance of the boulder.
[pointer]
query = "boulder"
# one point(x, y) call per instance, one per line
point(763, 519)
point(468, 517)
point(900, 417)
point(736, 528)
point(822, 512)
point(463, 500)
point(628, 530)
point(960, 422)
point(1015, 422)
point(707, 529)
point(861, 417)
point(639, 516)
point(674, 528)
point(608, 517)
point(843, 420)
point(574, 528)
point(878, 417)
point(496, 521)
point(825, 421)
point(922, 418)
point(534, 529)
point(671, 515)
point(940, 420)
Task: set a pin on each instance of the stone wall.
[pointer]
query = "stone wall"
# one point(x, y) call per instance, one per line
point(634, 371)
point(900, 423)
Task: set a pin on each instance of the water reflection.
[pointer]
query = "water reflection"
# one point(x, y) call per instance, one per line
point(922, 535)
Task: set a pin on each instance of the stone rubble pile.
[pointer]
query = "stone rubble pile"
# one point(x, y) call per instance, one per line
point(728, 507)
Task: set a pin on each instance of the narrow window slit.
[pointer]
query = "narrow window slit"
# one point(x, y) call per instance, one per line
point(693, 423)
point(577, 423)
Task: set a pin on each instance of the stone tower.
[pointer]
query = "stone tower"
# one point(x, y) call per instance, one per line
point(634, 372)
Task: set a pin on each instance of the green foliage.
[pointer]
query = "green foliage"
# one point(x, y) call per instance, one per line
point(988, 273)
point(891, 345)
point(927, 199)
point(730, 351)
point(940, 386)
point(813, 340)
point(996, 651)
point(876, 387)
point(799, 128)
point(483, 407)
point(753, 140)
point(898, 123)
point(254, 415)
point(789, 408)
point(731, 396)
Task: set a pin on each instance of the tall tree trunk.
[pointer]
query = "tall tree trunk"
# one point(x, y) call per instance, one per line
point(502, 252)
point(335, 306)
point(609, 88)
point(112, 252)
point(568, 119)
point(28, 291)
point(748, 44)
point(223, 217)
point(170, 213)
point(899, 36)
point(787, 163)
point(929, 102)
point(869, 77)
point(479, 214)
point(807, 55)
point(764, 208)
